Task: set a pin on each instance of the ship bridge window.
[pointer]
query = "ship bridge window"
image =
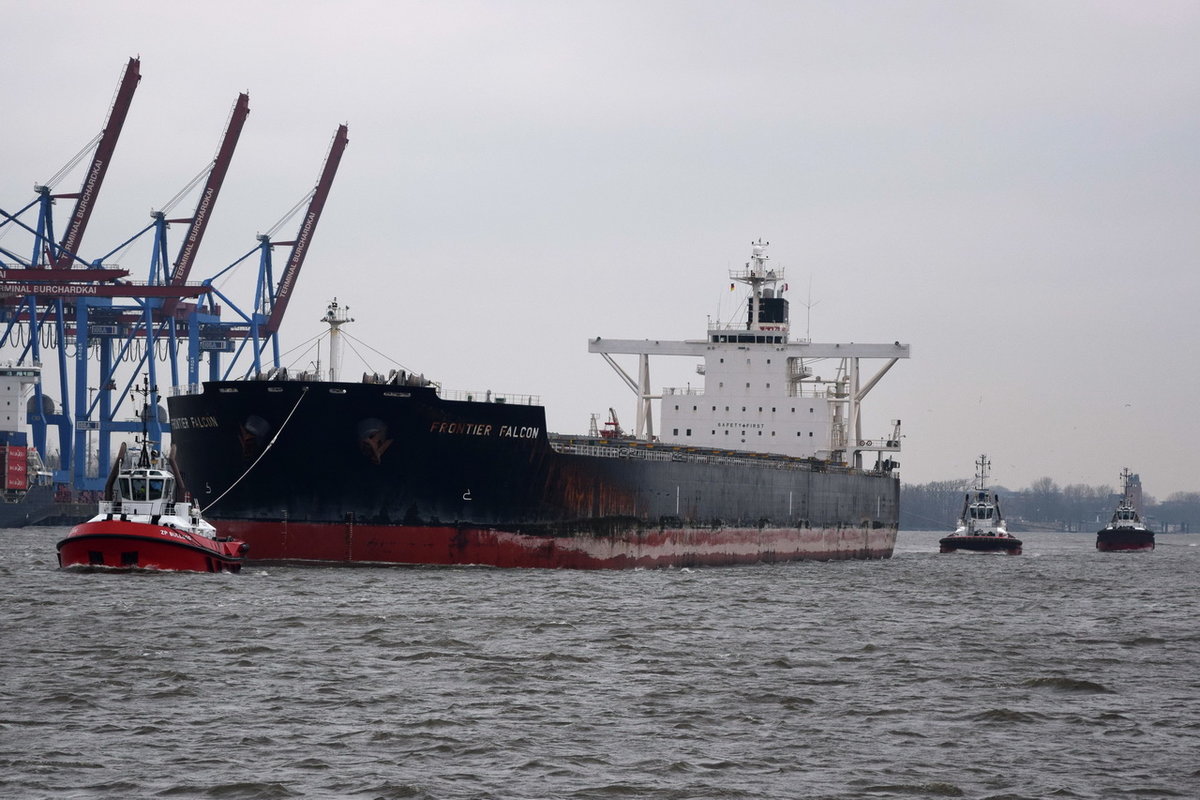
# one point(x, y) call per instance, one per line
point(981, 512)
point(161, 488)
point(138, 486)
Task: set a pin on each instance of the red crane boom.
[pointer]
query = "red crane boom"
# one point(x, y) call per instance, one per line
point(307, 227)
point(208, 199)
point(86, 197)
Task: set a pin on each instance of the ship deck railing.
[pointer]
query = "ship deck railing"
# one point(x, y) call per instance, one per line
point(487, 396)
point(694, 391)
point(648, 451)
point(467, 395)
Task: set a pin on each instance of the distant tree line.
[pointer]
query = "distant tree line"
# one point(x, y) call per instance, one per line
point(1044, 505)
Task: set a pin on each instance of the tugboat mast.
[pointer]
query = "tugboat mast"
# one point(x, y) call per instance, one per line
point(981, 476)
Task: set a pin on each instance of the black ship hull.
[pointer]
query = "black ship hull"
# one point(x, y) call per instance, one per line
point(1111, 540)
point(980, 544)
point(342, 472)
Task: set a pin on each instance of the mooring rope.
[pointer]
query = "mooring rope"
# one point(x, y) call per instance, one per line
point(303, 391)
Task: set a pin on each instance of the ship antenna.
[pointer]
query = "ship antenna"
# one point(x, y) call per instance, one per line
point(146, 390)
point(808, 317)
point(758, 276)
point(981, 475)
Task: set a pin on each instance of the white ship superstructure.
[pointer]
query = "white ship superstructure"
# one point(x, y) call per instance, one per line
point(763, 392)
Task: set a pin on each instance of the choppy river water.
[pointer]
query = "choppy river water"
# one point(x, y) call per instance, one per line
point(1063, 672)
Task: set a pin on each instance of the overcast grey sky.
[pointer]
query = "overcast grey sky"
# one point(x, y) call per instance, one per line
point(1013, 188)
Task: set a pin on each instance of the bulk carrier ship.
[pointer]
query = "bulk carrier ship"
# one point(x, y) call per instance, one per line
point(764, 464)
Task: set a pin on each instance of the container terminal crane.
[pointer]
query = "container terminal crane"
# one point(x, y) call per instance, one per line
point(77, 333)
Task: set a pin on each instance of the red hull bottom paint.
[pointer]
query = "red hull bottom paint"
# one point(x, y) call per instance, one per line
point(1124, 548)
point(655, 548)
point(117, 544)
point(980, 544)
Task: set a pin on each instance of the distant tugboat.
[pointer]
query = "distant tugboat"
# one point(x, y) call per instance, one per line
point(1126, 531)
point(981, 527)
point(140, 526)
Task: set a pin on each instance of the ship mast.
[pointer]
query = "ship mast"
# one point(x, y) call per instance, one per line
point(981, 476)
point(335, 317)
point(767, 310)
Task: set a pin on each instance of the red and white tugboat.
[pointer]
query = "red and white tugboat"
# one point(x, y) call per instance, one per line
point(981, 527)
point(141, 526)
point(1126, 531)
